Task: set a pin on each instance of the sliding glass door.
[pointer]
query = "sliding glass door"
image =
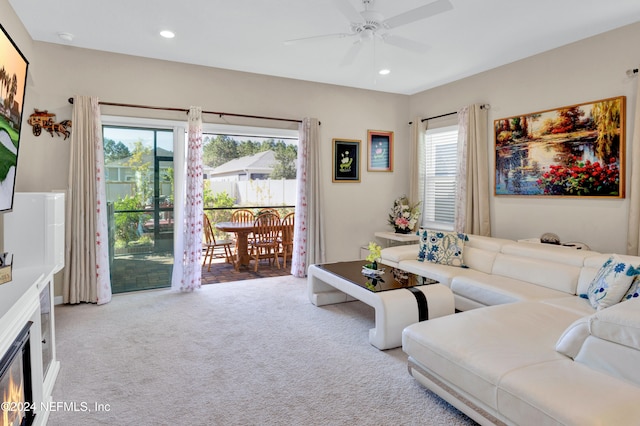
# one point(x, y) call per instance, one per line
point(139, 184)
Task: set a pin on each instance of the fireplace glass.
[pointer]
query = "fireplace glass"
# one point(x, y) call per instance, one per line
point(45, 320)
point(15, 382)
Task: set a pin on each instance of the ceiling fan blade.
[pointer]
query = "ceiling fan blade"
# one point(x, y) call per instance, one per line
point(352, 53)
point(405, 43)
point(418, 13)
point(348, 11)
point(317, 38)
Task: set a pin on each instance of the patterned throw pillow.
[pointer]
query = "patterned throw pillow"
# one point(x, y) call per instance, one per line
point(611, 282)
point(441, 247)
point(634, 290)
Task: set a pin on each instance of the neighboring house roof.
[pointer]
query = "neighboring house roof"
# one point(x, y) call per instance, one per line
point(262, 162)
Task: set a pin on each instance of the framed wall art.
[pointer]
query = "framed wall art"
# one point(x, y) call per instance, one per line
point(13, 80)
point(380, 151)
point(346, 160)
point(573, 151)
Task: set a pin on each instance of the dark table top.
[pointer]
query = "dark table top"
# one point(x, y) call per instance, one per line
point(392, 279)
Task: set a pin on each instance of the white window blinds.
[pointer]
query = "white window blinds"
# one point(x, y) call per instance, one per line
point(440, 177)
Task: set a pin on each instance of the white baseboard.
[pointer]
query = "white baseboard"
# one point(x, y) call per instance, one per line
point(57, 300)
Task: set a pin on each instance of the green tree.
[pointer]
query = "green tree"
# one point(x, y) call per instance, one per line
point(248, 147)
point(140, 162)
point(287, 156)
point(115, 151)
point(219, 150)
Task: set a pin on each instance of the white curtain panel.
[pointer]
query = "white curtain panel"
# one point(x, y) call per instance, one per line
point(187, 273)
point(417, 167)
point(472, 195)
point(633, 239)
point(87, 272)
point(308, 235)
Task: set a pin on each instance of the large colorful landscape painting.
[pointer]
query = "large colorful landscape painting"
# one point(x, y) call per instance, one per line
point(13, 76)
point(575, 151)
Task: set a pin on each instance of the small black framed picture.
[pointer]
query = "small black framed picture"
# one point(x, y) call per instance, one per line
point(346, 160)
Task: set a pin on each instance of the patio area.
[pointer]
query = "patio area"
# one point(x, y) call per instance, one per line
point(146, 271)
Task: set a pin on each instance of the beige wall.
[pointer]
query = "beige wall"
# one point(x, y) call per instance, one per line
point(585, 71)
point(353, 211)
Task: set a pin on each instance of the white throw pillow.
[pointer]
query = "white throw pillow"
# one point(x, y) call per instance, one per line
point(611, 282)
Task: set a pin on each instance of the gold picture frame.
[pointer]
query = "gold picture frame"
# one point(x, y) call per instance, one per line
point(346, 160)
point(572, 151)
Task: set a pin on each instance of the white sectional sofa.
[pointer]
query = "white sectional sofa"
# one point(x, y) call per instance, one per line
point(527, 349)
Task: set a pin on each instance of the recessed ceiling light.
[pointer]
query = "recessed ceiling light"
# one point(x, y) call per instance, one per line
point(66, 36)
point(384, 71)
point(167, 34)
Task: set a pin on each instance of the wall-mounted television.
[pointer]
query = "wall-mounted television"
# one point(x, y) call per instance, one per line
point(13, 81)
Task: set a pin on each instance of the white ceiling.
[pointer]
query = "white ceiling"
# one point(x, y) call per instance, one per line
point(249, 35)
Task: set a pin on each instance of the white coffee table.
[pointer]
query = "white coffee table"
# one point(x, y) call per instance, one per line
point(396, 305)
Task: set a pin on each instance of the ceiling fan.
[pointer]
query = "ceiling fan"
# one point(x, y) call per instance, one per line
point(372, 25)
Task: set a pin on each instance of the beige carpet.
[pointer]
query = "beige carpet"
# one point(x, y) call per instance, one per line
point(253, 352)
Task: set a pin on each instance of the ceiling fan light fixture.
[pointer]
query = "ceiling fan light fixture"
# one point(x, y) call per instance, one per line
point(384, 71)
point(167, 34)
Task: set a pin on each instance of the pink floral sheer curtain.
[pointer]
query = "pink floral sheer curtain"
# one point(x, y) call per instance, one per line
point(87, 274)
point(308, 235)
point(187, 272)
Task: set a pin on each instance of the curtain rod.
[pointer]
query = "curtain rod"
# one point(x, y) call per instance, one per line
point(483, 106)
point(221, 114)
point(438, 116)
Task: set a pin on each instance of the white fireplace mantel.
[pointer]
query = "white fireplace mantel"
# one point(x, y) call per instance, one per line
point(34, 234)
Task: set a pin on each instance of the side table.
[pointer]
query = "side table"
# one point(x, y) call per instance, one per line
point(397, 239)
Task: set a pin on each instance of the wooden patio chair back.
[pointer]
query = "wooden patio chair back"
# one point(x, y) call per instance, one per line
point(286, 237)
point(265, 241)
point(268, 210)
point(242, 216)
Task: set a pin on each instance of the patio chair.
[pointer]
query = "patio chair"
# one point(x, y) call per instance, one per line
point(212, 247)
point(242, 216)
point(286, 237)
point(265, 243)
point(268, 210)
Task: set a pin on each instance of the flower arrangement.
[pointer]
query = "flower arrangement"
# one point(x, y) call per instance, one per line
point(374, 255)
point(404, 215)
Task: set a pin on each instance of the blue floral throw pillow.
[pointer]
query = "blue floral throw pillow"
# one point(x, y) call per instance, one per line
point(611, 283)
point(445, 248)
point(634, 290)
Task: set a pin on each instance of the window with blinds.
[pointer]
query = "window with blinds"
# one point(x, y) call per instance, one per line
point(441, 150)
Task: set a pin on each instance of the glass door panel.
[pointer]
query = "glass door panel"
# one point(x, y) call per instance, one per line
point(139, 182)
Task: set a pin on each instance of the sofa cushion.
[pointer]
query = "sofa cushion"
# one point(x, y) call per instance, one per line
point(619, 324)
point(548, 252)
point(393, 255)
point(611, 282)
point(441, 273)
point(540, 272)
point(608, 340)
point(491, 290)
point(441, 247)
point(564, 392)
point(473, 350)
